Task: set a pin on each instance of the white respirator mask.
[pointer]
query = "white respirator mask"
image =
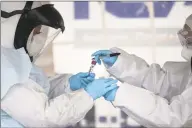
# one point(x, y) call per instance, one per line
point(186, 53)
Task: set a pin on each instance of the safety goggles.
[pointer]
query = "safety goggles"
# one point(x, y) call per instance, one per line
point(185, 37)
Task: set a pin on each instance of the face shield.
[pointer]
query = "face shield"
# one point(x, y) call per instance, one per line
point(39, 39)
point(36, 27)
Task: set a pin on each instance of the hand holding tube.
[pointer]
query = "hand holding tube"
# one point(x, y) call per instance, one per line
point(106, 56)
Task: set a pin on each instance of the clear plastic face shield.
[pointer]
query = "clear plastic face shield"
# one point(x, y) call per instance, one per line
point(35, 27)
point(39, 39)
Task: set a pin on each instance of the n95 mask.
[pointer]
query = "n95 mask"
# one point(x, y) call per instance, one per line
point(187, 53)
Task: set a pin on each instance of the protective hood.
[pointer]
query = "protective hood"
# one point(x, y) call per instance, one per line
point(22, 21)
point(189, 21)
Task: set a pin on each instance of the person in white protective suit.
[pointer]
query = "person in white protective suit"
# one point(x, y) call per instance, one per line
point(151, 95)
point(28, 97)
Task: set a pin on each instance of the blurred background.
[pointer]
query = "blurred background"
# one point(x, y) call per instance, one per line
point(147, 29)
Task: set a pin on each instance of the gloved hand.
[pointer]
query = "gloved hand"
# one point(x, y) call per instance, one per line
point(110, 96)
point(80, 80)
point(109, 61)
point(100, 87)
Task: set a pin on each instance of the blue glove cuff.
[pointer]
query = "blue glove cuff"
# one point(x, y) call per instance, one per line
point(110, 96)
point(90, 94)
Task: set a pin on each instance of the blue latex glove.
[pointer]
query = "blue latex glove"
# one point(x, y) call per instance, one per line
point(100, 87)
point(109, 61)
point(110, 96)
point(80, 80)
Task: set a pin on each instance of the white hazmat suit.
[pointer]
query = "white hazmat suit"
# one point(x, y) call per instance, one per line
point(160, 97)
point(29, 97)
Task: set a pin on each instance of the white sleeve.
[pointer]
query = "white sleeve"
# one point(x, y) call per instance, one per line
point(133, 70)
point(59, 84)
point(151, 110)
point(29, 104)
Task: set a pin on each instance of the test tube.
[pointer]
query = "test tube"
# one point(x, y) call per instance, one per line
point(93, 63)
